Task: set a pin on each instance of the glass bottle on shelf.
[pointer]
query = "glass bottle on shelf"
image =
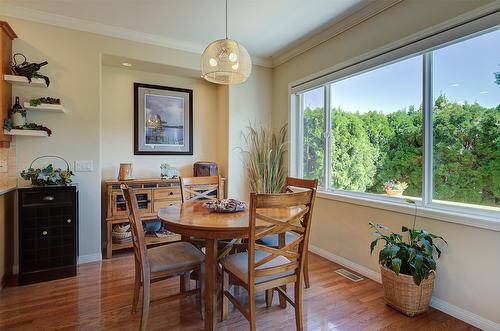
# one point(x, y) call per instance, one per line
point(18, 114)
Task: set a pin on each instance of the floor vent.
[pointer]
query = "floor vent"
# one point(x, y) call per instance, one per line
point(349, 275)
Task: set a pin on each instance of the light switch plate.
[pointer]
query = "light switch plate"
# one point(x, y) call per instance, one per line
point(3, 166)
point(84, 166)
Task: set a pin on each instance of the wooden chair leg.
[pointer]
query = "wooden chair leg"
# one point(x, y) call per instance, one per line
point(223, 298)
point(251, 308)
point(306, 269)
point(201, 281)
point(269, 298)
point(298, 305)
point(282, 299)
point(137, 288)
point(145, 304)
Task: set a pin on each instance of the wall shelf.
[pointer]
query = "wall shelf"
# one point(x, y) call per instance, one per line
point(32, 133)
point(45, 107)
point(21, 80)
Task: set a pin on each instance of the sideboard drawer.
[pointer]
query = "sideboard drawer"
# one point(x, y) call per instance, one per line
point(47, 197)
point(167, 193)
point(158, 204)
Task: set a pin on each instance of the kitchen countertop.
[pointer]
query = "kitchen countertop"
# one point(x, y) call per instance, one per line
point(6, 188)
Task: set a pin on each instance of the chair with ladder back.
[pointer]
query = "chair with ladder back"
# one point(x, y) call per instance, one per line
point(159, 263)
point(292, 185)
point(264, 268)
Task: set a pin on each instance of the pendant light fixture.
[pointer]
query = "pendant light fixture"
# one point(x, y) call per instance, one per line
point(225, 61)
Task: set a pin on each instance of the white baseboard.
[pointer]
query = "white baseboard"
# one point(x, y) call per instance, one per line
point(89, 258)
point(464, 315)
point(444, 306)
point(369, 273)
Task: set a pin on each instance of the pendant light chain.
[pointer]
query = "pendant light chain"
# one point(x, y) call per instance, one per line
point(226, 19)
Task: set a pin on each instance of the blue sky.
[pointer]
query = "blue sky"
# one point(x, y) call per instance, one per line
point(462, 71)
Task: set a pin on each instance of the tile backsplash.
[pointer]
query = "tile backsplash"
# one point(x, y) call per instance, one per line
point(8, 155)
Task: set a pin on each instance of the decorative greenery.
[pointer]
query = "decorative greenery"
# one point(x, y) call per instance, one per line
point(47, 176)
point(372, 148)
point(8, 125)
point(264, 158)
point(49, 100)
point(34, 126)
point(395, 186)
point(414, 257)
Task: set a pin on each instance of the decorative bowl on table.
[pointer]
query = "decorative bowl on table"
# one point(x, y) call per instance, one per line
point(225, 205)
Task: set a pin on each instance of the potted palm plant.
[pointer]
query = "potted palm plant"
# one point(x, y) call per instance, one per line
point(407, 266)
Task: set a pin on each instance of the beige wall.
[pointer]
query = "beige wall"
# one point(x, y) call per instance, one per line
point(8, 155)
point(468, 271)
point(118, 123)
point(249, 103)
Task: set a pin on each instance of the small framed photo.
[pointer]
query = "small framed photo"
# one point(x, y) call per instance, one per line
point(163, 120)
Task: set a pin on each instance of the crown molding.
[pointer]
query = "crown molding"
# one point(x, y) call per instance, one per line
point(109, 30)
point(359, 16)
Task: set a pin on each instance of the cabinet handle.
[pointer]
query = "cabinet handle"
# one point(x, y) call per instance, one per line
point(48, 198)
point(68, 221)
point(44, 233)
point(171, 193)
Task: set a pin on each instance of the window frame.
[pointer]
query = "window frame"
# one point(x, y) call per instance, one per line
point(420, 44)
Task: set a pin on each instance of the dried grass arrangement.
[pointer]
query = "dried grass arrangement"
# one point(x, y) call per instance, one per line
point(264, 158)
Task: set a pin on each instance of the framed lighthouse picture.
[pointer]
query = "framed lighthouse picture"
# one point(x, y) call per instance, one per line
point(163, 120)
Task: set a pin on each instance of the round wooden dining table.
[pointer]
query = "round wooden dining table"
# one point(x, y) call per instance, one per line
point(194, 220)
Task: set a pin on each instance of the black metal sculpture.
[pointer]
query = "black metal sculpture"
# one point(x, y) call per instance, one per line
point(28, 70)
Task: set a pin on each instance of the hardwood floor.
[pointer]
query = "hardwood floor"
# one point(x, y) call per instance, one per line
point(100, 298)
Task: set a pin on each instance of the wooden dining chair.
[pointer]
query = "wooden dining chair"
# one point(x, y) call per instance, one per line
point(159, 263)
point(292, 185)
point(200, 188)
point(264, 268)
point(195, 189)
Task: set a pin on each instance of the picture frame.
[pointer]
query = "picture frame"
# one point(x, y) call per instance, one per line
point(163, 120)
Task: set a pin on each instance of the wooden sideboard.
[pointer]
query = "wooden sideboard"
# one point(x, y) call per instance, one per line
point(152, 194)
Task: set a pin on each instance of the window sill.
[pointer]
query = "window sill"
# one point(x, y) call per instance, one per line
point(438, 212)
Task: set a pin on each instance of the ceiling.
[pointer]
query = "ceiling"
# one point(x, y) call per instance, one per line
point(265, 27)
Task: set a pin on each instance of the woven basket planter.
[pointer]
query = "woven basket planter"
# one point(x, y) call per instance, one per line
point(402, 294)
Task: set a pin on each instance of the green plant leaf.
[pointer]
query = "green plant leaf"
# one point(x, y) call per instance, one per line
point(385, 253)
point(438, 251)
point(396, 265)
point(373, 244)
point(394, 250)
point(427, 246)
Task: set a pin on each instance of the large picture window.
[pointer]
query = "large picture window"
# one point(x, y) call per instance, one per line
point(382, 126)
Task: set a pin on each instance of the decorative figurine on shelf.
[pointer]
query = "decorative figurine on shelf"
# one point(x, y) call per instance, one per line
point(18, 114)
point(168, 172)
point(28, 70)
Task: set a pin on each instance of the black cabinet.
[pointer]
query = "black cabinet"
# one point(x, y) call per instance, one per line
point(48, 233)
